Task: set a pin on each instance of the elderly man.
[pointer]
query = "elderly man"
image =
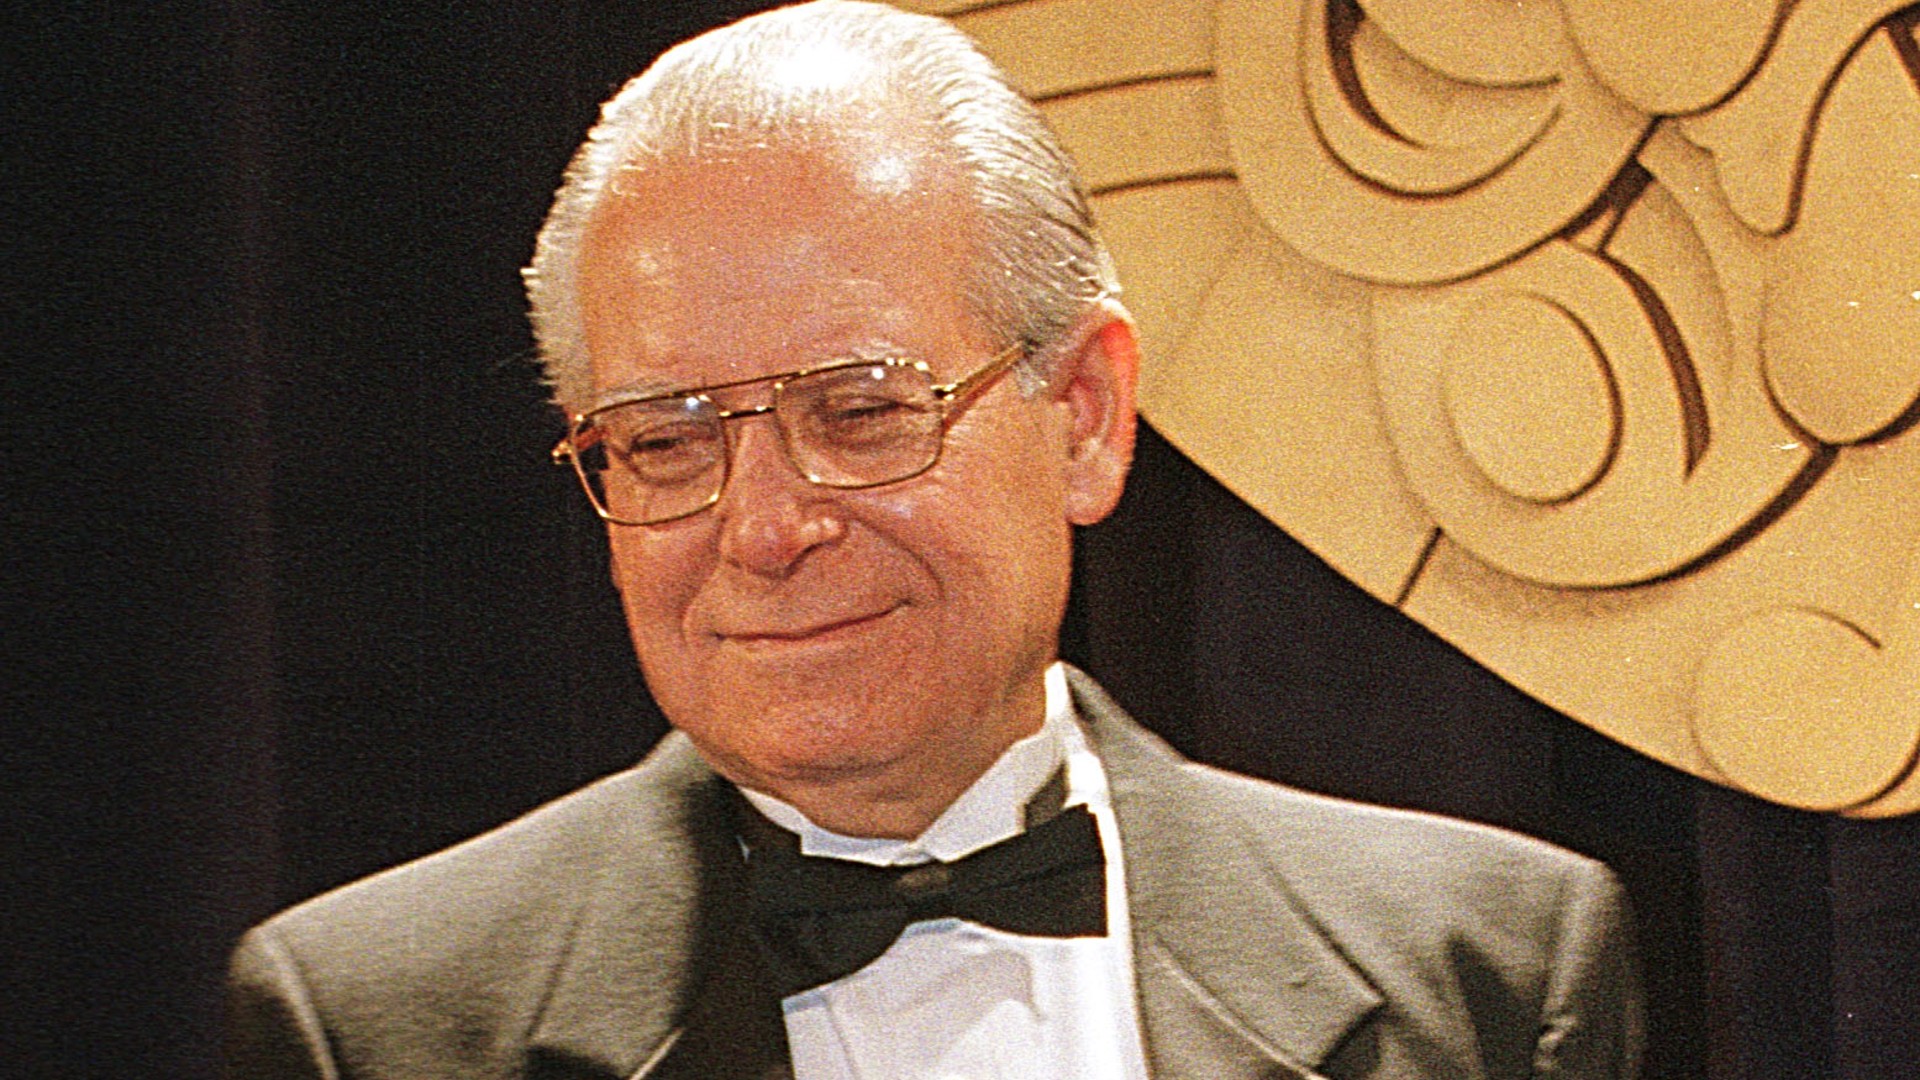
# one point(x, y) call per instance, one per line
point(844, 367)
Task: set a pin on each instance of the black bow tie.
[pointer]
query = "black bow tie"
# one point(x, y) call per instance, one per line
point(823, 919)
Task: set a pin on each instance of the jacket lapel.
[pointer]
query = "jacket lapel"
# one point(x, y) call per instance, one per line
point(1234, 979)
point(660, 978)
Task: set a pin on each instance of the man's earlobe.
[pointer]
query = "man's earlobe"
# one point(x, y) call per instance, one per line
point(1097, 381)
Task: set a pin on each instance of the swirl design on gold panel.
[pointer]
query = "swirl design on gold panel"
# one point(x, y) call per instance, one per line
point(1585, 331)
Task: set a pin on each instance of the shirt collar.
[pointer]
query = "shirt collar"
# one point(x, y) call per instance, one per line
point(990, 811)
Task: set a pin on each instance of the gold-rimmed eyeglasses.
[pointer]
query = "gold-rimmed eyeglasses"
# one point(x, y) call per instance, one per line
point(850, 424)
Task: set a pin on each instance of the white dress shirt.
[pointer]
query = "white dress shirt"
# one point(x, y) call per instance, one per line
point(954, 1000)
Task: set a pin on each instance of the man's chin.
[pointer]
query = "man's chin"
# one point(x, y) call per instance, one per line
point(798, 744)
point(786, 769)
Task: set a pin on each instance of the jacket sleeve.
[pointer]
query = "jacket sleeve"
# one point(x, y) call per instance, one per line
point(1593, 1024)
point(273, 1030)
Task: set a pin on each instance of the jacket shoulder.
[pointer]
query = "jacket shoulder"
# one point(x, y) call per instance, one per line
point(1322, 843)
point(537, 862)
point(1311, 829)
point(448, 958)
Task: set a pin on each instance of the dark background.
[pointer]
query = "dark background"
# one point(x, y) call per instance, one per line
point(293, 593)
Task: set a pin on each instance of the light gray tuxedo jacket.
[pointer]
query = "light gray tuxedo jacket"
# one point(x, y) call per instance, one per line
point(1276, 934)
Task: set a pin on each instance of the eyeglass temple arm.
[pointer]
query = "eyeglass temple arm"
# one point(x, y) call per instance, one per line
point(1009, 356)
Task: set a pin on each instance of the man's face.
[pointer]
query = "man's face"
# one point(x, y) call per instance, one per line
point(875, 646)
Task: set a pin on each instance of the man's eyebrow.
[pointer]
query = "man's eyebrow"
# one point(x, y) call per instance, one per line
point(634, 390)
point(873, 350)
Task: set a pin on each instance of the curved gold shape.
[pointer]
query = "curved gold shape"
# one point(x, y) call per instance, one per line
point(1777, 709)
point(1508, 189)
point(1671, 496)
point(1343, 94)
point(1760, 137)
point(1531, 400)
point(1842, 324)
point(1481, 42)
point(1631, 46)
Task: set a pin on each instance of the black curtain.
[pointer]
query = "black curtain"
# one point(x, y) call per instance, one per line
point(293, 593)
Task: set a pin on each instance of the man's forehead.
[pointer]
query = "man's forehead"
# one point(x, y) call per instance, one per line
point(659, 216)
point(724, 266)
point(885, 159)
point(852, 322)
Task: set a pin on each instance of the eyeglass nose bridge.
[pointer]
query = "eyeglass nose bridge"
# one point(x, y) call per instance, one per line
point(730, 442)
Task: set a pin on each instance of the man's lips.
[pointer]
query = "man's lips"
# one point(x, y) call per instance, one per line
point(821, 631)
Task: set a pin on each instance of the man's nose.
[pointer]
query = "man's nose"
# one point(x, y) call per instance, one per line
point(770, 514)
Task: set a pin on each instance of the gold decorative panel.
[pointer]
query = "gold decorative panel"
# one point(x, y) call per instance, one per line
point(1586, 332)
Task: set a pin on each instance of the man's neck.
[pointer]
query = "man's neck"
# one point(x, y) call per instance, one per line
point(989, 802)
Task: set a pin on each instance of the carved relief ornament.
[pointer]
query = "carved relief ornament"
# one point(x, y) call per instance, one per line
point(1586, 332)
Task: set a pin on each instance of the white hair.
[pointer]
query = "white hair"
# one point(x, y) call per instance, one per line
point(1038, 263)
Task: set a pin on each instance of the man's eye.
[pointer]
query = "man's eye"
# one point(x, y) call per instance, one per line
point(858, 410)
point(655, 444)
point(646, 442)
point(861, 419)
point(667, 452)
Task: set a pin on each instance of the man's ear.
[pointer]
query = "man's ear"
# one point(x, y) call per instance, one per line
point(1094, 382)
